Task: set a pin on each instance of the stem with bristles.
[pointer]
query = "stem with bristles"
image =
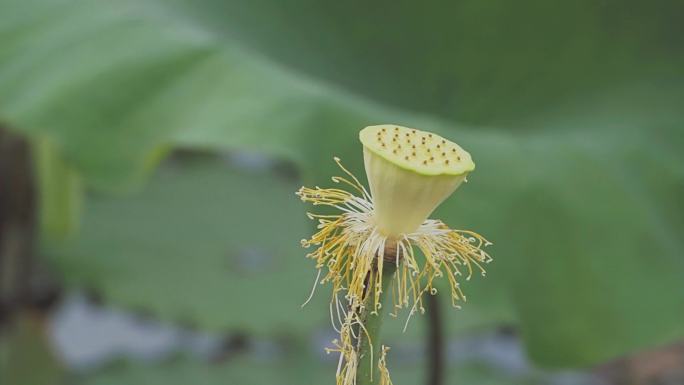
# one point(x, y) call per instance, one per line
point(369, 346)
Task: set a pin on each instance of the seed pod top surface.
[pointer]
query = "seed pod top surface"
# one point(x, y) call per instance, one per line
point(422, 152)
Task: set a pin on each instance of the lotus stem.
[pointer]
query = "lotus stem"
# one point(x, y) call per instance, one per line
point(370, 349)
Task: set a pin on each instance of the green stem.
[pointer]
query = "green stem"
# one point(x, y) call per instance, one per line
point(367, 372)
point(60, 192)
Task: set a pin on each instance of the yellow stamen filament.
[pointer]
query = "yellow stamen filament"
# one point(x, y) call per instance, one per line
point(382, 367)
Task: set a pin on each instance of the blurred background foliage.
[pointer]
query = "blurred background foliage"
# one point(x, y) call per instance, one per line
point(168, 138)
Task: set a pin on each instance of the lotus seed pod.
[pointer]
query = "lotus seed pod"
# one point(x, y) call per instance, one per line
point(410, 172)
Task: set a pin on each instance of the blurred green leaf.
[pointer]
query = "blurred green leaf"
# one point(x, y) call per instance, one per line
point(297, 370)
point(595, 233)
point(202, 244)
point(146, 74)
point(578, 150)
point(206, 244)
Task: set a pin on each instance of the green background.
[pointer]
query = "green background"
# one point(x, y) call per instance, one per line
point(572, 112)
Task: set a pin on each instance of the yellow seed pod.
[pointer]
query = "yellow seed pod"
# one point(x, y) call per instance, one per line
point(410, 172)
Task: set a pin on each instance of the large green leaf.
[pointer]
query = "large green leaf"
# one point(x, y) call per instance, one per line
point(206, 244)
point(300, 370)
point(114, 83)
point(596, 232)
point(202, 244)
point(469, 61)
point(578, 183)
